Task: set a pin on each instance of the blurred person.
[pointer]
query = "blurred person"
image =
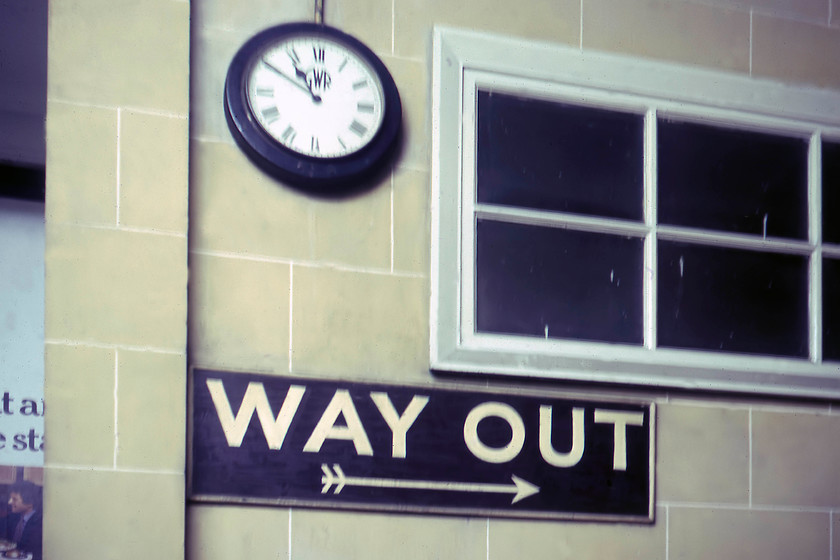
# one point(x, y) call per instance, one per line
point(25, 522)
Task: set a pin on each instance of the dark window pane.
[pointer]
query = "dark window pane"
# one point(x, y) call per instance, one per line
point(831, 191)
point(732, 180)
point(711, 298)
point(558, 283)
point(831, 309)
point(552, 156)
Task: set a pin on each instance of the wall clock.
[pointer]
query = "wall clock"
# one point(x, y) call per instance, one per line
point(312, 106)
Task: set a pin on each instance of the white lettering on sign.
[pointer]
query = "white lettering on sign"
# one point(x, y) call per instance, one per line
point(494, 454)
point(620, 420)
point(341, 403)
point(399, 424)
point(255, 399)
point(276, 428)
point(547, 451)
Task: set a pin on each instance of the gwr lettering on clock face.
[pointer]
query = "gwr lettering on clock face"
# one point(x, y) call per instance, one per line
point(315, 96)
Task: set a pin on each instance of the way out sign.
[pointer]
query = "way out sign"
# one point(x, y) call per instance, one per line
point(287, 441)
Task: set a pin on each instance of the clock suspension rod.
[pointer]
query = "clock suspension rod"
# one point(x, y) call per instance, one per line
point(319, 12)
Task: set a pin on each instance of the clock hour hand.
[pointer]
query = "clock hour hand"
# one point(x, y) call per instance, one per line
point(303, 77)
point(298, 72)
point(315, 97)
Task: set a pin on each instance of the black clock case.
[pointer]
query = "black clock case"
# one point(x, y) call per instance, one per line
point(327, 176)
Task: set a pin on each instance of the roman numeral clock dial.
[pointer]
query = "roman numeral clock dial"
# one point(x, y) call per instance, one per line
point(312, 106)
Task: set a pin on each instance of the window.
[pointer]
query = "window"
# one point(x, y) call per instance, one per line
point(598, 218)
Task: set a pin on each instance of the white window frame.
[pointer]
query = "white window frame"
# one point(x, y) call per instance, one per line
point(466, 60)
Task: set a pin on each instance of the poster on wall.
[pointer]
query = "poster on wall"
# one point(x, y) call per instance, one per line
point(21, 377)
point(427, 449)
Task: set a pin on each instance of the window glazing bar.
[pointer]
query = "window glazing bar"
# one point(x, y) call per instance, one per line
point(560, 220)
point(650, 258)
point(735, 240)
point(815, 292)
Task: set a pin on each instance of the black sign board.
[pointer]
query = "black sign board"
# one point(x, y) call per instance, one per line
point(325, 443)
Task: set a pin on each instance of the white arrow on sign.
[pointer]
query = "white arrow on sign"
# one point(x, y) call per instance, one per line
point(521, 489)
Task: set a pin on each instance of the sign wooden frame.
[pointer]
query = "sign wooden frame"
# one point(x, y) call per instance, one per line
point(438, 449)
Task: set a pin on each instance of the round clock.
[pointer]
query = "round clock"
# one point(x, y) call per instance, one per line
point(312, 106)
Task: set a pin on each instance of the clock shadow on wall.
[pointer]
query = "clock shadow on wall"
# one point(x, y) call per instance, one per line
point(314, 108)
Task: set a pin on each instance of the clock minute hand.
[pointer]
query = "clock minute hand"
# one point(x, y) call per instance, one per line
point(315, 97)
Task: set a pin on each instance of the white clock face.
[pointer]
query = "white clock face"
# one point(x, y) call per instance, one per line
point(315, 96)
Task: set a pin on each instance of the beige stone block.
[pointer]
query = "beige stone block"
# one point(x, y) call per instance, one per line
point(354, 231)
point(555, 21)
point(81, 164)
point(770, 535)
point(796, 459)
point(542, 20)
point(792, 51)
point(240, 314)
point(120, 53)
point(414, 20)
point(212, 50)
point(151, 392)
point(116, 287)
point(352, 324)
point(317, 535)
point(153, 171)
point(675, 31)
point(249, 17)
point(370, 21)
point(411, 221)
point(235, 207)
point(224, 532)
point(815, 10)
point(582, 541)
point(702, 454)
point(79, 387)
point(412, 80)
point(103, 515)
